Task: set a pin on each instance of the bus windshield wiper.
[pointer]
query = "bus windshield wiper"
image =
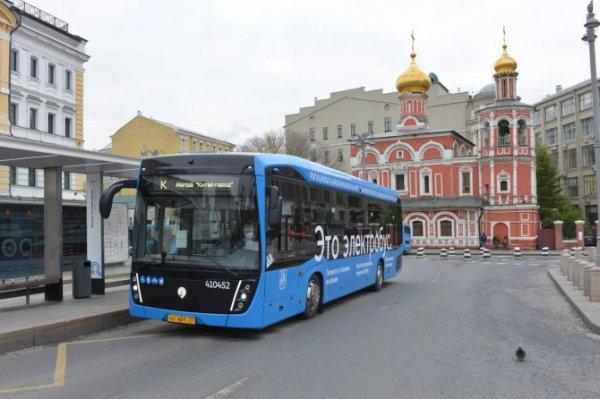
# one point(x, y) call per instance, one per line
point(146, 264)
point(214, 261)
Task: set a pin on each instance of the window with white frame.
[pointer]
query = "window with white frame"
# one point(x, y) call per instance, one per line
point(585, 100)
point(51, 74)
point(312, 134)
point(466, 183)
point(589, 185)
point(536, 118)
point(183, 143)
point(503, 183)
point(14, 60)
point(13, 114)
point(538, 137)
point(325, 133)
point(68, 84)
point(33, 67)
point(503, 134)
point(446, 228)
point(568, 107)
point(326, 156)
point(194, 144)
point(569, 132)
point(418, 229)
point(426, 182)
point(340, 154)
point(570, 158)
point(352, 128)
point(400, 180)
point(33, 118)
point(51, 118)
point(522, 133)
point(68, 127)
point(339, 131)
point(550, 113)
point(370, 126)
point(400, 154)
point(587, 127)
point(66, 181)
point(387, 124)
point(572, 187)
point(587, 155)
point(485, 133)
point(552, 136)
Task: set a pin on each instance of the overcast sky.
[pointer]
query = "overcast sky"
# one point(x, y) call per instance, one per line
point(233, 69)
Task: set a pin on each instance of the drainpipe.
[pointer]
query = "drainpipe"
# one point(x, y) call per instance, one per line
point(13, 8)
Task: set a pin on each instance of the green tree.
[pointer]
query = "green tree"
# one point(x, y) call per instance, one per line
point(554, 205)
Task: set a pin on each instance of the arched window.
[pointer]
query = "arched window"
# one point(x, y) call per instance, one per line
point(446, 228)
point(503, 134)
point(417, 229)
point(503, 185)
point(522, 133)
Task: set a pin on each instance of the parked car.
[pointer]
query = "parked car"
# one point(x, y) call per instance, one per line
point(590, 241)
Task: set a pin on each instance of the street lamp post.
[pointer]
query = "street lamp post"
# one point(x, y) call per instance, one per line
point(362, 141)
point(590, 37)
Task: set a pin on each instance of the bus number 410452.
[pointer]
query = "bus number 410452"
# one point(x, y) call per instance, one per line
point(223, 285)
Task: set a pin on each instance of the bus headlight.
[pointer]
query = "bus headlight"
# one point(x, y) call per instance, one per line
point(134, 288)
point(243, 296)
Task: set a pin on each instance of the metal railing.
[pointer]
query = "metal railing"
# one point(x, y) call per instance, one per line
point(43, 15)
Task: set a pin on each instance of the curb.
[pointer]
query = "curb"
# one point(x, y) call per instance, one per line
point(574, 302)
point(63, 331)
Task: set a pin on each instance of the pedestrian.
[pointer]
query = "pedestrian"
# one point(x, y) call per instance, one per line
point(483, 240)
point(505, 242)
point(496, 241)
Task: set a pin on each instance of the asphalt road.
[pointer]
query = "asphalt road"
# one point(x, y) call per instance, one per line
point(441, 329)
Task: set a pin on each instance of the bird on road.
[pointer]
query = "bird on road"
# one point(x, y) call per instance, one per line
point(520, 354)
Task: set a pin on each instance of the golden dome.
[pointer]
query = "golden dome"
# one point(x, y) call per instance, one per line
point(505, 64)
point(413, 80)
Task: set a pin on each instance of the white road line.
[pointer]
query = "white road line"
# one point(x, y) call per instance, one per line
point(433, 281)
point(228, 390)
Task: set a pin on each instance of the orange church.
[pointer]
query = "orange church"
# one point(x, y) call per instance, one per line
point(454, 190)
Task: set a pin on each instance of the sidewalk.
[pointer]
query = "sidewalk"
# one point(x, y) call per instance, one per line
point(589, 311)
point(24, 326)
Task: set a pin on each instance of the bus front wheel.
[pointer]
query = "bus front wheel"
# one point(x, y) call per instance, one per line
point(313, 297)
point(378, 277)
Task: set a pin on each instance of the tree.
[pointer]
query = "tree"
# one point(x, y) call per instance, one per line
point(279, 142)
point(554, 205)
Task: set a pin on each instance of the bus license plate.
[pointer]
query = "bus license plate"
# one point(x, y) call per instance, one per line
point(173, 318)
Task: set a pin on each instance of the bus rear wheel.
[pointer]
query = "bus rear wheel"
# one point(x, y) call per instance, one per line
point(378, 277)
point(313, 297)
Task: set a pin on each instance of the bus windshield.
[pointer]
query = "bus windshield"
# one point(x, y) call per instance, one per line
point(193, 220)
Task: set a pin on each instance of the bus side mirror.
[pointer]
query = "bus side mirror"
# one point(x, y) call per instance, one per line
point(106, 199)
point(275, 208)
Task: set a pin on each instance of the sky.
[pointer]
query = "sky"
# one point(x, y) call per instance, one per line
point(232, 69)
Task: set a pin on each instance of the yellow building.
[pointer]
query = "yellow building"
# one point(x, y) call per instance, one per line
point(143, 137)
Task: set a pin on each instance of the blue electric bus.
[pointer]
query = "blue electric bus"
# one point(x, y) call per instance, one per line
point(246, 240)
point(407, 238)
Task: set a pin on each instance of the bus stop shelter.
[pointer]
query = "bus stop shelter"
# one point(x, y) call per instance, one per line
point(54, 160)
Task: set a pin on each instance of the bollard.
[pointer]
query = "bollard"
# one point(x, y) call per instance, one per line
point(451, 252)
point(578, 253)
point(572, 251)
point(467, 254)
point(517, 252)
point(586, 279)
point(595, 284)
point(592, 254)
point(481, 250)
point(420, 252)
point(545, 252)
point(564, 263)
point(444, 253)
point(576, 267)
point(580, 282)
point(570, 269)
point(486, 253)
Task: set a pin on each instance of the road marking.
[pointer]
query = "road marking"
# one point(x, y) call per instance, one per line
point(95, 341)
point(228, 390)
point(433, 281)
point(381, 308)
point(61, 363)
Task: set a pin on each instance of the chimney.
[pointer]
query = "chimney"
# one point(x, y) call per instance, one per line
point(558, 88)
point(139, 113)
